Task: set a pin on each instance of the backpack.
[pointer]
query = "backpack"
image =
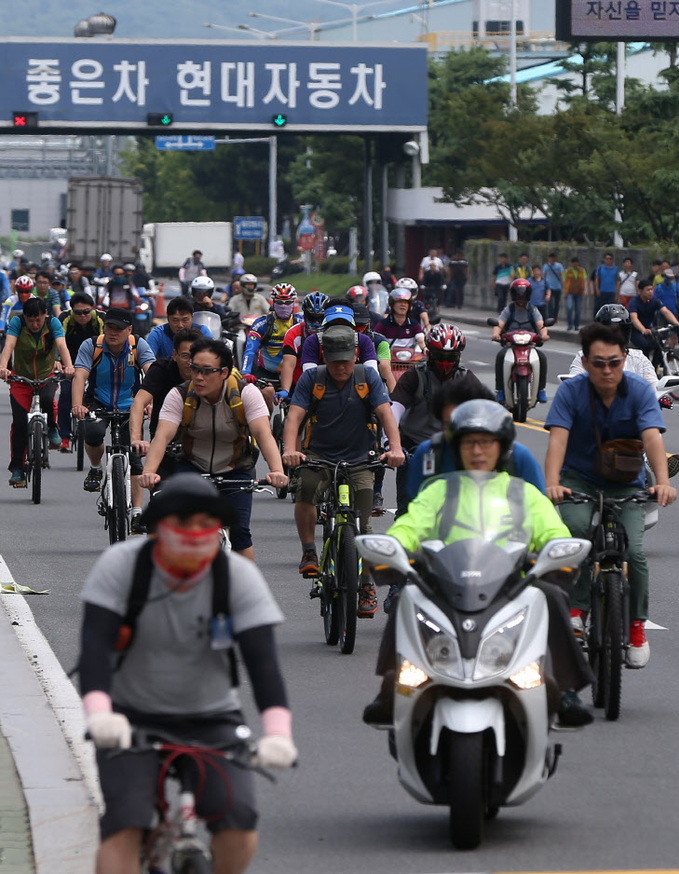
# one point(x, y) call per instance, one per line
point(245, 451)
point(139, 593)
point(98, 354)
point(362, 390)
point(512, 311)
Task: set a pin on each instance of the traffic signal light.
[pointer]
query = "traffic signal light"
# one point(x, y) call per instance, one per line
point(279, 120)
point(159, 119)
point(25, 120)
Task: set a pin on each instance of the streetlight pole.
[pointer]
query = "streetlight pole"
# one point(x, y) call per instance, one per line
point(312, 26)
point(259, 34)
point(513, 95)
point(354, 9)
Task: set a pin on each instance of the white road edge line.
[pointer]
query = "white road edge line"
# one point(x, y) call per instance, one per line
point(59, 690)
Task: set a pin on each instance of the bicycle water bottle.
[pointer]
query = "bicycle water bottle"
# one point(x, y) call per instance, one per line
point(344, 500)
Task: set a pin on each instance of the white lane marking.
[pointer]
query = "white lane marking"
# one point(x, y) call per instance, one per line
point(59, 690)
point(651, 626)
point(480, 363)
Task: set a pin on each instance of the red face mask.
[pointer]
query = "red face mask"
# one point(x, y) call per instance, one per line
point(443, 369)
point(186, 553)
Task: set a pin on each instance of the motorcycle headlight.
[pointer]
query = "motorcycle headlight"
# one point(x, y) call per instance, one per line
point(410, 675)
point(497, 650)
point(404, 355)
point(529, 677)
point(521, 339)
point(442, 650)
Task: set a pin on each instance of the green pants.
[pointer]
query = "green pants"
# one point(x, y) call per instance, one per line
point(578, 517)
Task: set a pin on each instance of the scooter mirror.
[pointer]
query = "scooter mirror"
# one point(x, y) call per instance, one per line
point(559, 553)
point(381, 549)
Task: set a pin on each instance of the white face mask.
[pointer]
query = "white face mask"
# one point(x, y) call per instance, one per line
point(186, 553)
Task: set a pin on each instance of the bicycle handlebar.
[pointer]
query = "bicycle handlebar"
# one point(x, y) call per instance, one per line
point(322, 464)
point(36, 383)
point(255, 485)
point(641, 497)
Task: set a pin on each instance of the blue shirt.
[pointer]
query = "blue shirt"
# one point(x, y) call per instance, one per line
point(4, 286)
point(161, 339)
point(667, 295)
point(608, 277)
point(526, 467)
point(341, 430)
point(55, 327)
point(634, 409)
point(553, 275)
point(116, 377)
point(539, 287)
point(645, 311)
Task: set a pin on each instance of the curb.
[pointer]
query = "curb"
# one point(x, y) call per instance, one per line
point(41, 718)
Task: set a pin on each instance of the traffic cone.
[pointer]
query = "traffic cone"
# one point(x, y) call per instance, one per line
point(161, 311)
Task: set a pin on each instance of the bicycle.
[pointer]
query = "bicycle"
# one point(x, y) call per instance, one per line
point(666, 351)
point(78, 441)
point(606, 638)
point(38, 447)
point(174, 845)
point(277, 429)
point(224, 484)
point(340, 565)
point(115, 497)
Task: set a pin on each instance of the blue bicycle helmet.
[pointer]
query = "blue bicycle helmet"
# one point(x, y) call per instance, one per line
point(313, 305)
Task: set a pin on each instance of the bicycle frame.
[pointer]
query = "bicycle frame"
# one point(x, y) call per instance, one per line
point(113, 451)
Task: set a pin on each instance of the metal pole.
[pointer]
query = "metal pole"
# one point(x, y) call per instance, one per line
point(513, 98)
point(384, 224)
point(619, 106)
point(273, 199)
point(368, 206)
point(354, 23)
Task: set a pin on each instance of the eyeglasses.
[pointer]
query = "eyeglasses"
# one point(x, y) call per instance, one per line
point(600, 363)
point(481, 442)
point(185, 356)
point(205, 371)
point(82, 312)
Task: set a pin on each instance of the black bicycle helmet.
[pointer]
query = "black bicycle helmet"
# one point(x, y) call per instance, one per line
point(616, 314)
point(485, 417)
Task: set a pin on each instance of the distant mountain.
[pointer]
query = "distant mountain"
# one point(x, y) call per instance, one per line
point(161, 19)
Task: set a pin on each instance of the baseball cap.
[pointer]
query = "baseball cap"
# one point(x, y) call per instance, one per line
point(185, 494)
point(339, 312)
point(339, 343)
point(118, 316)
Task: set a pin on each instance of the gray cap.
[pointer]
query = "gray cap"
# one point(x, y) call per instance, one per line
point(339, 343)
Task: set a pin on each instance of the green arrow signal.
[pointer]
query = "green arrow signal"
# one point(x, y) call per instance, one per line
point(166, 120)
point(280, 120)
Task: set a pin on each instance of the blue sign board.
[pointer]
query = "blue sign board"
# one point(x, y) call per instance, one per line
point(185, 144)
point(305, 226)
point(248, 227)
point(211, 85)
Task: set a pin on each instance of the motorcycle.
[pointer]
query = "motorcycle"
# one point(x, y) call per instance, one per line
point(471, 726)
point(284, 268)
point(403, 358)
point(521, 373)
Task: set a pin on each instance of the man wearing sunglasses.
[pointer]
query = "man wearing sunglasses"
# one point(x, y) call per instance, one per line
point(620, 405)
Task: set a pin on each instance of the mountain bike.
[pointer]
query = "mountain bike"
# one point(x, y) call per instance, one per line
point(38, 447)
point(176, 845)
point(607, 628)
point(78, 441)
point(340, 565)
point(277, 427)
point(115, 497)
point(224, 484)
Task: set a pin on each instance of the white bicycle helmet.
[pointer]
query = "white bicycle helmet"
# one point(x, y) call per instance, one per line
point(371, 276)
point(203, 284)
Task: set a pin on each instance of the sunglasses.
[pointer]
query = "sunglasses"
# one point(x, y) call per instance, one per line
point(205, 371)
point(600, 363)
point(82, 312)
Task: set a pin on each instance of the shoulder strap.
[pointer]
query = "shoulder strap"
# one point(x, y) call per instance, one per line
point(515, 497)
point(268, 333)
point(449, 509)
point(360, 381)
point(221, 606)
point(191, 402)
point(438, 445)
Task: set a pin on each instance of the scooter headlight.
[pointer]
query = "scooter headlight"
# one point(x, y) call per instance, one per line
point(529, 677)
point(522, 339)
point(410, 676)
point(442, 650)
point(497, 650)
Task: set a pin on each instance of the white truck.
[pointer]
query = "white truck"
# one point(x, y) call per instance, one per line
point(104, 214)
point(166, 245)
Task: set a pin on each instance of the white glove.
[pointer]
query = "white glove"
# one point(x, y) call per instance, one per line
point(275, 751)
point(110, 730)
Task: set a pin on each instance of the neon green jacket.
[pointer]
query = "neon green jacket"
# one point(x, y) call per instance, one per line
point(483, 511)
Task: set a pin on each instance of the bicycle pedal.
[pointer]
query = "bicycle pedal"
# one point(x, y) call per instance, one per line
point(316, 591)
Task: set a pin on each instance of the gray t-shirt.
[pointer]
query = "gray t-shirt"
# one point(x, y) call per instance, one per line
point(521, 319)
point(170, 668)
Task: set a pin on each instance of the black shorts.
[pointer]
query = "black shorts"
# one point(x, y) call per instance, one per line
point(129, 780)
point(95, 431)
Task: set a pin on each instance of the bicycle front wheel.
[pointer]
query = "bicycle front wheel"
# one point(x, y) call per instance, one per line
point(78, 441)
point(612, 656)
point(346, 568)
point(117, 512)
point(36, 450)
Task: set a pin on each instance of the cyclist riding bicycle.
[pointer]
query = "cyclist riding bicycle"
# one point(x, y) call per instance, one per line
point(602, 405)
point(313, 310)
point(178, 673)
point(337, 314)
point(339, 404)
point(179, 317)
point(14, 304)
point(107, 373)
point(118, 292)
point(263, 355)
point(34, 340)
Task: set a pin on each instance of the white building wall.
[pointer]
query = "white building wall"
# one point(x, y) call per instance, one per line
point(43, 199)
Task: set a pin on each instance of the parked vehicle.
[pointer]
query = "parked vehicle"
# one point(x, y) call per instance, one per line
point(166, 245)
point(104, 214)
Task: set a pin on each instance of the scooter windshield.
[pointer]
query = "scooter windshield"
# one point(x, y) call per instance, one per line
point(490, 530)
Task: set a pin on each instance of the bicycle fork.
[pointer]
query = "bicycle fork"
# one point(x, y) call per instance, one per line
point(601, 580)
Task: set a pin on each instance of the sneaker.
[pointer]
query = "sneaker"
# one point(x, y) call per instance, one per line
point(65, 445)
point(136, 525)
point(569, 328)
point(578, 621)
point(380, 711)
point(500, 396)
point(54, 437)
point(93, 480)
point(378, 504)
point(391, 599)
point(639, 651)
point(542, 396)
point(572, 712)
point(308, 566)
point(367, 600)
point(18, 479)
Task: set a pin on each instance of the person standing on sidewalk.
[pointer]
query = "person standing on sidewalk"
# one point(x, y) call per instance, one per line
point(553, 274)
point(503, 278)
point(628, 282)
point(576, 286)
point(459, 274)
point(606, 283)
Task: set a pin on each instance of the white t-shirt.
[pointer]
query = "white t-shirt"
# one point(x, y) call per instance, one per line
point(426, 261)
point(628, 283)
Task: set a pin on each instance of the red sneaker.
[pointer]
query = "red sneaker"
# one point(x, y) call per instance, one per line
point(578, 621)
point(639, 651)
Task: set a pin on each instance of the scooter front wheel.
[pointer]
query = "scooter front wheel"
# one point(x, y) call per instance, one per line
point(522, 391)
point(466, 789)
